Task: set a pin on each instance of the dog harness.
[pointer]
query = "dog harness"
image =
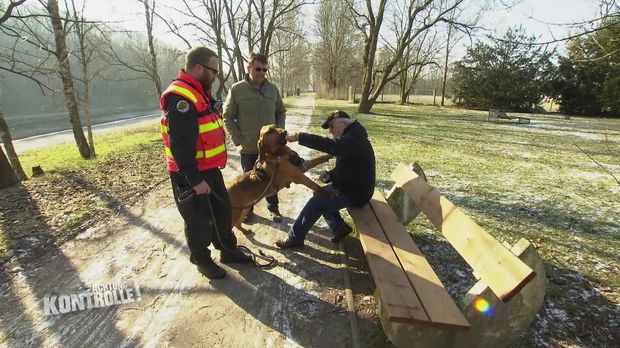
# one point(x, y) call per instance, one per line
point(211, 141)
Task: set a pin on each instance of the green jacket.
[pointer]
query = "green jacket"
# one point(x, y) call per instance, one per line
point(248, 109)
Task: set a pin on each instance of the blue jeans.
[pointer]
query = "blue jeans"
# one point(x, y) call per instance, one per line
point(319, 205)
point(247, 164)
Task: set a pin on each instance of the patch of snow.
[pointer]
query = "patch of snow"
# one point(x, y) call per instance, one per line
point(589, 175)
point(88, 233)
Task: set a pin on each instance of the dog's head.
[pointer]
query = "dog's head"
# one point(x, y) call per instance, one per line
point(272, 141)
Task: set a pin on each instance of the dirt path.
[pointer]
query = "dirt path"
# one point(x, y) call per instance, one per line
point(299, 303)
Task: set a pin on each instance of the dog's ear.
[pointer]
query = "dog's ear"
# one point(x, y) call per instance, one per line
point(261, 149)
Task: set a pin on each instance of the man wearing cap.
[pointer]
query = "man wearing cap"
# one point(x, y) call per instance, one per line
point(352, 180)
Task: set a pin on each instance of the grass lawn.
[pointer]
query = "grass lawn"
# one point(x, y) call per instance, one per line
point(75, 194)
point(66, 156)
point(519, 181)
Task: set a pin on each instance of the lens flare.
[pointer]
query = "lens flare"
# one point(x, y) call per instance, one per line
point(483, 306)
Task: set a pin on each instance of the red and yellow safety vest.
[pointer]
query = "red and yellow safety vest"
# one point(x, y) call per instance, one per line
point(210, 144)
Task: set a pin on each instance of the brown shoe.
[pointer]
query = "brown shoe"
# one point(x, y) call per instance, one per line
point(289, 243)
point(341, 232)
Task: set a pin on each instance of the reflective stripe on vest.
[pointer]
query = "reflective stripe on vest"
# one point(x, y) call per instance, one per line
point(210, 143)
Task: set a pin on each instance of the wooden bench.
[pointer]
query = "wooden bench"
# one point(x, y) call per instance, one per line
point(411, 297)
point(501, 115)
point(408, 288)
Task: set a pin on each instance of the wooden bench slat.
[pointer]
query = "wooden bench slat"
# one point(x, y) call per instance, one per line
point(501, 270)
point(396, 294)
point(437, 302)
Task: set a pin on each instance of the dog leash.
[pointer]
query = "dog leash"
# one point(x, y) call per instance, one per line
point(270, 261)
point(273, 176)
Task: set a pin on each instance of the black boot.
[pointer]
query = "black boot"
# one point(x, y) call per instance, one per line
point(341, 232)
point(234, 256)
point(211, 270)
point(275, 215)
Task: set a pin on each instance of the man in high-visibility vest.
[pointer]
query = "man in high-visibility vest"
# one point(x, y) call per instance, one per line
point(194, 141)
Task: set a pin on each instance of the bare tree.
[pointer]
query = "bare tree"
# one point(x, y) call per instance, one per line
point(207, 25)
point(88, 48)
point(235, 20)
point(290, 60)
point(418, 16)
point(10, 173)
point(33, 28)
point(419, 54)
point(64, 69)
point(207, 21)
point(149, 11)
point(271, 16)
point(138, 54)
point(336, 54)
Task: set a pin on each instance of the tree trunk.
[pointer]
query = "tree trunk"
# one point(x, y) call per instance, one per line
point(403, 87)
point(89, 128)
point(149, 34)
point(370, 49)
point(7, 176)
point(64, 70)
point(445, 66)
point(17, 170)
point(403, 96)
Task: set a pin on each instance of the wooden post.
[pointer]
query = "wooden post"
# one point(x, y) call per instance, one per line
point(351, 97)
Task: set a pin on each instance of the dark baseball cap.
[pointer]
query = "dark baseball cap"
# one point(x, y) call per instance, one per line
point(332, 116)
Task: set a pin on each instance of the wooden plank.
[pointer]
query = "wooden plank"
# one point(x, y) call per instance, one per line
point(501, 270)
point(437, 302)
point(396, 294)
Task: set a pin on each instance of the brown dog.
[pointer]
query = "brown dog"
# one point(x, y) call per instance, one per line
point(278, 166)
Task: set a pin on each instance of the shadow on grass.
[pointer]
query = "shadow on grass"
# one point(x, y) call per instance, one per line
point(44, 270)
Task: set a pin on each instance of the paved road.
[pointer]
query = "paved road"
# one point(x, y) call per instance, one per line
point(44, 140)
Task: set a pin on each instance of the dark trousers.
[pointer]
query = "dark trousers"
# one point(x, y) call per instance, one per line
point(199, 224)
point(247, 163)
point(316, 207)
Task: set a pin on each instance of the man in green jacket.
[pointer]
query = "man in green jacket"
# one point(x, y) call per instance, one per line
point(252, 103)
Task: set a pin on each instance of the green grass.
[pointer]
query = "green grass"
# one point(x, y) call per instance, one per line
point(516, 181)
point(66, 156)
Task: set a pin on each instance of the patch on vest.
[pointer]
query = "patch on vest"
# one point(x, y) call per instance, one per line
point(183, 106)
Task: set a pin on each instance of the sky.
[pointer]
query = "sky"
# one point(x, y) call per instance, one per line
point(534, 15)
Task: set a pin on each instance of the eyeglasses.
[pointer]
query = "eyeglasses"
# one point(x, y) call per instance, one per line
point(215, 71)
point(257, 69)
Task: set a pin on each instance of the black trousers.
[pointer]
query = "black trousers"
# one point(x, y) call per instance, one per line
point(247, 163)
point(199, 224)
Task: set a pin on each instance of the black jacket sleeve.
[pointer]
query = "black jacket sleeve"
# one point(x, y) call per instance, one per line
point(337, 147)
point(183, 134)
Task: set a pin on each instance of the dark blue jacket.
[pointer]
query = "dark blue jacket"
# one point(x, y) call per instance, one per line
point(354, 174)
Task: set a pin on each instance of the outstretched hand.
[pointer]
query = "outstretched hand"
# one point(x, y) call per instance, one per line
point(292, 137)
